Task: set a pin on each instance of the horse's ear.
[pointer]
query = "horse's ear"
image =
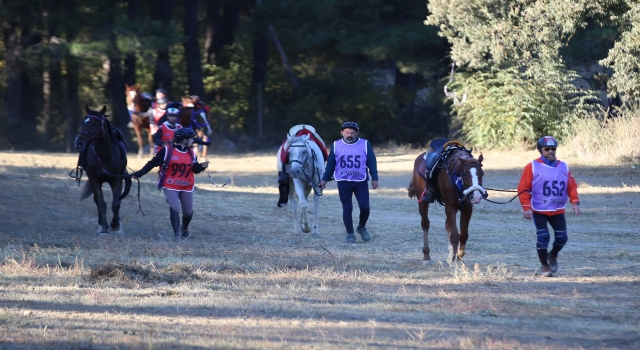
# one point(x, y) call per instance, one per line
point(137, 86)
point(87, 108)
point(480, 158)
point(104, 109)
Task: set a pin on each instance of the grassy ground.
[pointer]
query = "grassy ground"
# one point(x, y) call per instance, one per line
point(244, 280)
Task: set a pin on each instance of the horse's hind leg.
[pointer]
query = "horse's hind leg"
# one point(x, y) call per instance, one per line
point(465, 218)
point(423, 208)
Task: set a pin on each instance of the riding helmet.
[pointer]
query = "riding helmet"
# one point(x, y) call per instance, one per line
point(162, 91)
point(163, 100)
point(350, 125)
point(182, 134)
point(173, 108)
point(547, 141)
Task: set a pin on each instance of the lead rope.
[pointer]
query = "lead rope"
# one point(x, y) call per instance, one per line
point(509, 201)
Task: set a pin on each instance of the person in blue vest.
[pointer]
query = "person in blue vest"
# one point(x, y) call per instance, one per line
point(348, 161)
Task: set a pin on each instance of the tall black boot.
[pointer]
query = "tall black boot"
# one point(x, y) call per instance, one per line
point(283, 189)
point(283, 177)
point(175, 222)
point(185, 225)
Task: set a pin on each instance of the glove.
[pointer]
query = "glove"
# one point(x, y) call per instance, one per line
point(136, 175)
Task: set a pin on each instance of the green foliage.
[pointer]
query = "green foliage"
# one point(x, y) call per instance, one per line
point(624, 58)
point(510, 108)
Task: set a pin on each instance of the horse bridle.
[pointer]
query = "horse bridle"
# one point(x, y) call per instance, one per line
point(195, 121)
point(93, 137)
point(468, 190)
point(309, 179)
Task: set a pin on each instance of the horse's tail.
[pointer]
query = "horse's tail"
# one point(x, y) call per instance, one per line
point(411, 191)
point(86, 191)
point(127, 187)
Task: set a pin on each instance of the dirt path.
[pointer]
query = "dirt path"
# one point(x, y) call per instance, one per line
point(246, 281)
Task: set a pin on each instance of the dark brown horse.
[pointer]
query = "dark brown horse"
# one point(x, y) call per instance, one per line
point(193, 115)
point(138, 104)
point(457, 185)
point(103, 156)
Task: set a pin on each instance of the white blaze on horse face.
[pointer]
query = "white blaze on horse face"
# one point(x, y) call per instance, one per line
point(476, 196)
point(132, 94)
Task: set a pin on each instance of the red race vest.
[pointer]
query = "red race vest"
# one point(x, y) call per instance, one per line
point(167, 133)
point(179, 173)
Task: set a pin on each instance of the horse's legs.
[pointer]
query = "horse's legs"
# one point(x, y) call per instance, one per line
point(465, 216)
point(452, 230)
point(101, 204)
point(136, 128)
point(423, 208)
point(304, 205)
point(294, 206)
point(316, 206)
point(150, 139)
point(116, 189)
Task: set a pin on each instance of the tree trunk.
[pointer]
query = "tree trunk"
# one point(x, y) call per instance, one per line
point(13, 73)
point(404, 92)
point(32, 102)
point(130, 59)
point(260, 59)
point(120, 115)
point(163, 75)
point(72, 104)
point(213, 37)
point(192, 48)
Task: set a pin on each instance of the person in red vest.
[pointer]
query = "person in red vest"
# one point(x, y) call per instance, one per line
point(178, 164)
point(168, 128)
point(545, 186)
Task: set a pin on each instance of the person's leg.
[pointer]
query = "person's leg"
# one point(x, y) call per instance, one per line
point(559, 225)
point(345, 191)
point(174, 209)
point(540, 221)
point(361, 192)
point(186, 199)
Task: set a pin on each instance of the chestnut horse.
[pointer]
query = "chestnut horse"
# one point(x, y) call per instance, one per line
point(457, 183)
point(137, 103)
point(194, 116)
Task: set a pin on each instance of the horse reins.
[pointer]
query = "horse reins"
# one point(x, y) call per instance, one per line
point(309, 179)
point(510, 200)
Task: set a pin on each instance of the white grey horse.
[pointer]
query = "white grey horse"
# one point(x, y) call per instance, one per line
point(305, 167)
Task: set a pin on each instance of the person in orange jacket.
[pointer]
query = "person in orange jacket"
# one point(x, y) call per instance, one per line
point(545, 186)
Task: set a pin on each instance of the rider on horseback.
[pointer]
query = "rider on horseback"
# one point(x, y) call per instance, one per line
point(155, 114)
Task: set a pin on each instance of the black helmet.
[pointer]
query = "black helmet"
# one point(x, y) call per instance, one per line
point(173, 108)
point(350, 125)
point(547, 141)
point(182, 134)
point(163, 100)
point(162, 91)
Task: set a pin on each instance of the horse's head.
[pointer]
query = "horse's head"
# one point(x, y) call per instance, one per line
point(193, 115)
point(93, 128)
point(299, 154)
point(471, 172)
point(131, 91)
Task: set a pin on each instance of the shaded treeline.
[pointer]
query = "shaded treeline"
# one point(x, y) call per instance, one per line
point(264, 65)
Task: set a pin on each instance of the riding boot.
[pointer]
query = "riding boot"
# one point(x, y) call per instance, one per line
point(283, 177)
point(185, 225)
point(175, 222)
point(283, 189)
point(427, 196)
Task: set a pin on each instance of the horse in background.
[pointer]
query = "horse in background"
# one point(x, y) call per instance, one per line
point(305, 165)
point(193, 114)
point(103, 156)
point(138, 103)
point(457, 184)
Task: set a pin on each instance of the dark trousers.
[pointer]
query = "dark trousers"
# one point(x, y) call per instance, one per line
point(361, 190)
point(559, 225)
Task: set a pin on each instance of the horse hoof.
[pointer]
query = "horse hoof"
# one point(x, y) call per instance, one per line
point(427, 262)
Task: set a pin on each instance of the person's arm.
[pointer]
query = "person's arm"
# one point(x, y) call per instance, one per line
point(572, 192)
point(148, 113)
point(199, 167)
point(157, 137)
point(157, 160)
point(372, 163)
point(329, 169)
point(524, 190)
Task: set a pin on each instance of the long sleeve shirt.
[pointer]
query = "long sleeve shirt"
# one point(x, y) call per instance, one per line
point(371, 164)
point(525, 184)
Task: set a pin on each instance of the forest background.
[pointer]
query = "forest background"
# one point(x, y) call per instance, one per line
point(521, 68)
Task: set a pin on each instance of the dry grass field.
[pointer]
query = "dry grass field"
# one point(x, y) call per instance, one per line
point(245, 280)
